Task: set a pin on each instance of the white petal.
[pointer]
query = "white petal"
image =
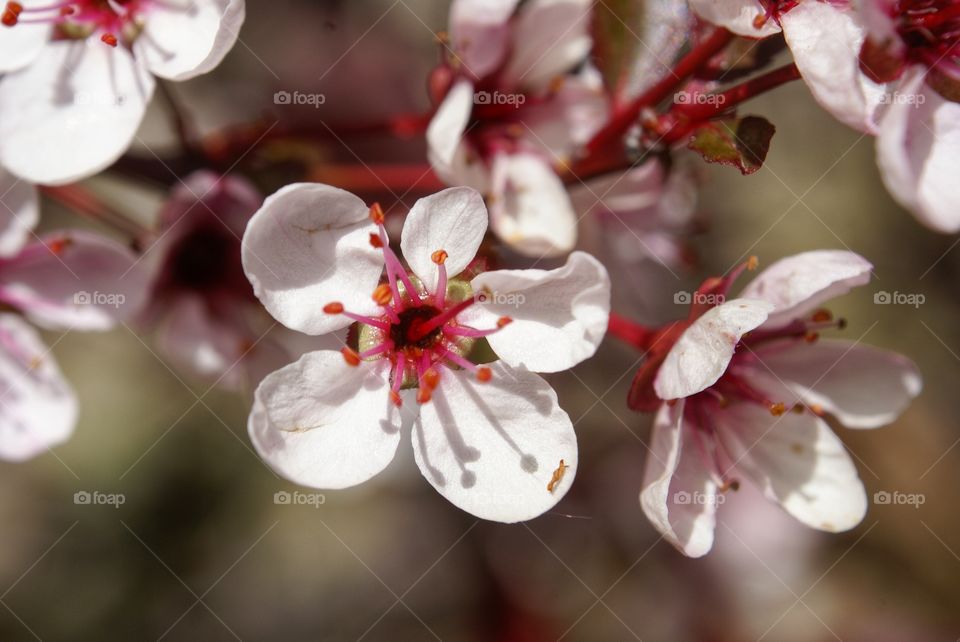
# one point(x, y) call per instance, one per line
point(796, 460)
point(183, 40)
point(918, 150)
point(559, 316)
point(445, 132)
point(73, 112)
point(550, 37)
point(19, 212)
point(492, 448)
point(862, 386)
point(799, 284)
point(479, 33)
point(530, 209)
point(701, 354)
point(572, 115)
point(21, 45)
point(309, 245)
point(678, 494)
point(320, 423)
point(75, 280)
point(453, 220)
point(735, 15)
point(825, 41)
point(37, 407)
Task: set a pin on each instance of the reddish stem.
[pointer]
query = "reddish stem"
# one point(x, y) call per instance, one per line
point(724, 101)
point(84, 202)
point(630, 331)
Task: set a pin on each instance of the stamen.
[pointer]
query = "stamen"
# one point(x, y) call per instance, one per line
point(109, 39)
point(383, 295)
point(777, 409)
point(440, 296)
point(376, 214)
point(484, 374)
point(427, 327)
point(337, 308)
point(351, 357)
point(424, 395)
point(11, 14)
point(375, 240)
point(333, 308)
point(431, 378)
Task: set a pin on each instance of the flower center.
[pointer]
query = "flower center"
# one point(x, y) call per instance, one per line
point(115, 21)
point(408, 332)
point(931, 31)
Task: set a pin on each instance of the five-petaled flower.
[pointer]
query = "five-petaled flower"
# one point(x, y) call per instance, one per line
point(487, 432)
point(742, 388)
point(79, 75)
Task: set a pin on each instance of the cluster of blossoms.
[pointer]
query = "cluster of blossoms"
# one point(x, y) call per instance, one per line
point(544, 149)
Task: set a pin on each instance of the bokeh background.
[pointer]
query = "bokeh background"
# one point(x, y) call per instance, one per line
point(200, 550)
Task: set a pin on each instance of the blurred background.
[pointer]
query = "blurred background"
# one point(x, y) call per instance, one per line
point(199, 550)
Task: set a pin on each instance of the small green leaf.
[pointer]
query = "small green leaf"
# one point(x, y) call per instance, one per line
point(740, 142)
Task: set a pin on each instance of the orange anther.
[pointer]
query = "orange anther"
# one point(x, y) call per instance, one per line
point(395, 398)
point(811, 337)
point(383, 294)
point(752, 263)
point(376, 214)
point(439, 257)
point(777, 409)
point(822, 315)
point(431, 378)
point(333, 308)
point(484, 374)
point(376, 241)
point(350, 356)
point(109, 39)
point(424, 395)
point(504, 321)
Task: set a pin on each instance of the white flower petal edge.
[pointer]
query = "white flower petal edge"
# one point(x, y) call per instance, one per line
point(799, 284)
point(39, 409)
point(309, 245)
point(530, 208)
point(480, 33)
point(735, 15)
point(446, 129)
point(559, 316)
point(671, 481)
point(702, 353)
point(797, 461)
point(453, 220)
point(19, 212)
point(862, 386)
point(825, 42)
point(58, 127)
point(181, 42)
point(323, 424)
point(492, 449)
point(917, 153)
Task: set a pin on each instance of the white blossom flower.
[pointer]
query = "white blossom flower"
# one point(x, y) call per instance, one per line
point(744, 387)
point(78, 75)
point(514, 112)
point(66, 280)
point(489, 436)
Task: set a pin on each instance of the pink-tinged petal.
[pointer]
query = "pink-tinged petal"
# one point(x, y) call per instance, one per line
point(309, 245)
point(678, 496)
point(736, 15)
point(573, 114)
point(826, 41)
point(701, 354)
point(797, 461)
point(550, 37)
point(204, 194)
point(918, 151)
point(19, 212)
point(38, 409)
point(530, 209)
point(480, 33)
point(445, 132)
point(862, 386)
point(558, 316)
point(321, 423)
point(453, 220)
point(22, 44)
point(799, 284)
point(493, 449)
point(73, 112)
point(181, 40)
point(75, 280)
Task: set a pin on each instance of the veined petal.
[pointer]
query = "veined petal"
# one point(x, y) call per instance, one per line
point(735, 15)
point(181, 40)
point(862, 386)
point(530, 209)
point(918, 150)
point(71, 113)
point(701, 354)
point(799, 284)
point(550, 37)
point(558, 316)
point(445, 131)
point(39, 409)
point(825, 41)
point(678, 496)
point(19, 212)
point(75, 280)
point(453, 220)
point(321, 423)
point(480, 32)
point(493, 448)
point(309, 245)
